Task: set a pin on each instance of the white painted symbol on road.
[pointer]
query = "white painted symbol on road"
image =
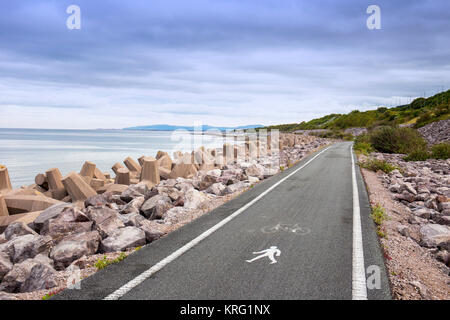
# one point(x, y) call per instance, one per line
point(286, 227)
point(270, 253)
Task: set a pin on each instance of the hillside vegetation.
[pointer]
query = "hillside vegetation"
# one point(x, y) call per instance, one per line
point(418, 113)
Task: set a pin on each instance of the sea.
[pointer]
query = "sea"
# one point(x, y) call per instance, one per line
point(27, 152)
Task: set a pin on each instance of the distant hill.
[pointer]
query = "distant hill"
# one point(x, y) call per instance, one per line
point(167, 127)
point(417, 114)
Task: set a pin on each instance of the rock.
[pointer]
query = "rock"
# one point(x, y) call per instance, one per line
point(17, 276)
point(423, 213)
point(134, 191)
point(156, 206)
point(207, 181)
point(153, 230)
point(253, 180)
point(215, 173)
point(217, 189)
point(105, 220)
point(403, 230)
point(194, 199)
point(70, 221)
point(256, 170)
point(98, 200)
point(122, 239)
point(131, 219)
point(17, 229)
point(5, 265)
point(421, 288)
point(444, 257)
point(435, 235)
point(28, 246)
point(172, 192)
point(408, 187)
point(268, 172)
point(241, 185)
point(405, 196)
point(133, 206)
point(41, 277)
point(50, 213)
point(74, 247)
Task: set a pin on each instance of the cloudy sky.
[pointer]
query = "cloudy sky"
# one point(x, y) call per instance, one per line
point(219, 62)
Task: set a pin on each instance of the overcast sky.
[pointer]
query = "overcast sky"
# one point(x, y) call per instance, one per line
point(219, 62)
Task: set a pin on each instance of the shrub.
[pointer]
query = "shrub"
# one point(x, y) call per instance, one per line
point(104, 262)
point(441, 151)
point(396, 140)
point(418, 155)
point(363, 145)
point(375, 165)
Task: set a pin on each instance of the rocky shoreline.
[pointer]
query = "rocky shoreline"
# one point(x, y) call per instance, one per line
point(57, 230)
point(416, 235)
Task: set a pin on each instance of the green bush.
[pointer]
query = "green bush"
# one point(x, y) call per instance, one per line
point(362, 144)
point(396, 140)
point(418, 155)
point(441, 151)
point(375, 165)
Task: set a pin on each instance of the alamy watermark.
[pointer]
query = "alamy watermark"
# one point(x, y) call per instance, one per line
point(374, 20)
point(73, 22)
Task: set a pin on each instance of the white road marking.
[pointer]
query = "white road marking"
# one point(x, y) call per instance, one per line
point(359, 289)
point(161, 264)
point(269, 253)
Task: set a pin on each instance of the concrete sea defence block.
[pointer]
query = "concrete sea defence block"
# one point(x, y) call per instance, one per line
point(26, 218)
point(77, 188)
point(132, 165)
point(3, 207)
point(28, 203)
point(150, 172)
point(116, 167)
point(98, 174)
point(122, 176)
point(55, 185)
point(5, 182)
point(88, 169)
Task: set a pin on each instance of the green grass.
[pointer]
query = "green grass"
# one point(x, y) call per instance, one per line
point(376, 165)
point(378, 216)
point(441, 151)
point(104, 262)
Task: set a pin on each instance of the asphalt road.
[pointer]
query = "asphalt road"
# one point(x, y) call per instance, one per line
point(308, 217)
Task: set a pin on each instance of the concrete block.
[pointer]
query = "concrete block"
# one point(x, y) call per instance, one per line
point(122, 176)
point(77, 188)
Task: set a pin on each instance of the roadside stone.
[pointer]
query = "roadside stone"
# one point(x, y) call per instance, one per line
point(435, 235)
point(17, 229)
point(41, 277)
point(27, 246)
point(134, 205)
point(14, 279)
point(122, 239)
point(134, 191)
point(153, 230)
point(50, 213)
point(131, 219)
point(74, 247)
point(194, 199)
point(237, 187)
point(256, 170)
point(403, 230)
point(5, 265)
point(217, 189)
point(105, 220)
point(156, 206)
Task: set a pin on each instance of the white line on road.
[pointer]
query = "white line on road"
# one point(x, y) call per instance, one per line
point(161, 264)
point(359, 289)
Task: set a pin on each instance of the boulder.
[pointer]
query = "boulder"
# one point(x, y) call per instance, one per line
point(133, 206)
point(153, 230)
point(99, 200)
point(27, 246)
point(217, 189)
point(131, 219)
point(19, 273)
point(156, 206)
point(106, 220)
point(70, 221)
point(41, 277)
point(134, 191)
point(172, 192)
point(122, 239)
point(194, 199)
point(26, 218)
point(17, 229)
point(256, 170)
point(50, 213)
point(5, 265)
point(74, 247)
point(236, 187)
point(435, 235)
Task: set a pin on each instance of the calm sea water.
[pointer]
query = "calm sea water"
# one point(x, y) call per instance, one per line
point(27, 152)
